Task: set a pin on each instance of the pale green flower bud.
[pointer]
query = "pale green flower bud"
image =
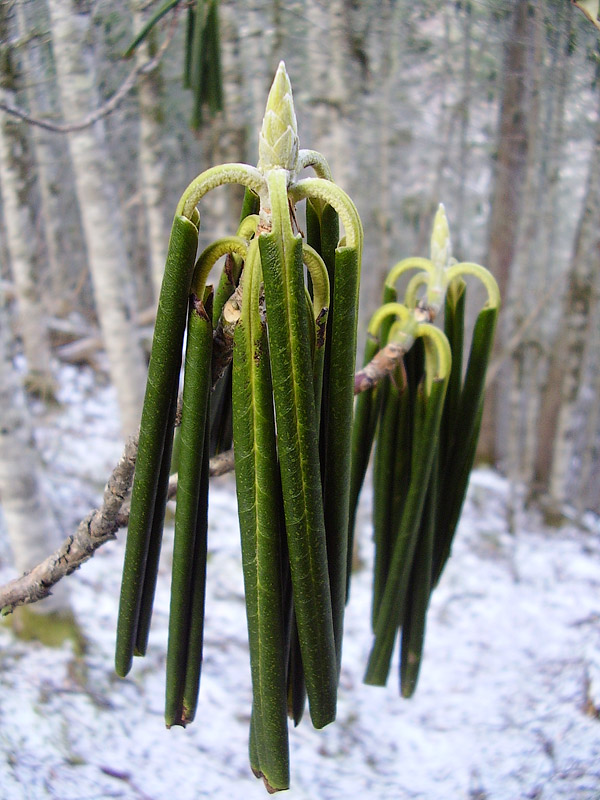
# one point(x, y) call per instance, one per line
point(441, 245)
point(278, 140)
point(441, 253)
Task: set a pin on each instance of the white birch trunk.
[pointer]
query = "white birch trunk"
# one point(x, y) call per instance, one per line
point(39, 101)
point(15, 180)
point(102, 220)
point(26, 509)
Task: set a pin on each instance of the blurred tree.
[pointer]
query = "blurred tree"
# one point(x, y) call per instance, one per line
point(510, 161)
point(151, 149)
point(35, 57)
point(73, 47)
point(16, 179)
point(532, 268)
point(558, 467)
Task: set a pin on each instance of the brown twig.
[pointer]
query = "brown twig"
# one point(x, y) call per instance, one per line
point(98, 527)
point(383, 363)
point(389, 357)
point(223, 335)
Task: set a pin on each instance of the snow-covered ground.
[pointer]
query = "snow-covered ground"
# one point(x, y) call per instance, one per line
point(504, 708)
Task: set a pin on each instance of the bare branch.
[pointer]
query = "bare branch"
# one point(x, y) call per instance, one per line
point(106, 108)
point(383, 363)
point(389, 357)
point(98, 527)
point(223, 335)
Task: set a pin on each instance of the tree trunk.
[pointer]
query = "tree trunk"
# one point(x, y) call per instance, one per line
point(328, 81)
point(536, 248)
point(46, 147)
point(72, 35)
point(520, 387)
point(555, 468)
point(26, 509)
point(506, 200)
point(224, 137)
point(21, 240)
point(387, 68)
point(458, 225)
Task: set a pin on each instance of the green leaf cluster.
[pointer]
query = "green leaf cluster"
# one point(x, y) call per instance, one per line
point(286, 403)
point(269, 367)
point(424, 418)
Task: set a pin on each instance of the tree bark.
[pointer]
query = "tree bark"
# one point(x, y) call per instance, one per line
point(458, 226)
point(21, 240)
point(532, 272)
point(102, 222)
point(520, 388)
point(328, 80)
point(508, 184)
point(554, 472)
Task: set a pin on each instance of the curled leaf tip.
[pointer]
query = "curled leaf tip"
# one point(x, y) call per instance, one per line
point(278, 140)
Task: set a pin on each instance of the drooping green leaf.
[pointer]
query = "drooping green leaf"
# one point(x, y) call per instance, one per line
point(366, 413)
point(291, 362)
point(461, 454)
point(392, 605)
point(150, 576)
point(205, 61)
point(164, 9)
point(419, 592)
point(221, 420)
point(258, 491)
point(146, 515)
point(341, 346)
point(186, 571)
point(194, 658)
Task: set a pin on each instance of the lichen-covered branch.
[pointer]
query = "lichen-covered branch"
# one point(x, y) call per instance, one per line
point(98, 527)
point(93, 531)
